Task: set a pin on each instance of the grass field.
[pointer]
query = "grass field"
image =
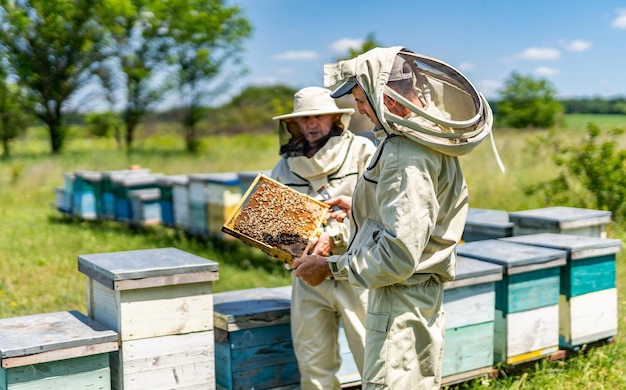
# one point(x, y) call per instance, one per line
point(39, 248)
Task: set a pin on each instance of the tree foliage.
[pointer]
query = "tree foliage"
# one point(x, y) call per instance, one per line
point(527, 102)
point(205, 53)
point(252, 109)
point(13, 119)
point(592, 172)
point(50, 46)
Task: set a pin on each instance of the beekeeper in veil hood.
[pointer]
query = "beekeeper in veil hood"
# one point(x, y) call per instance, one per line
point(408, 210)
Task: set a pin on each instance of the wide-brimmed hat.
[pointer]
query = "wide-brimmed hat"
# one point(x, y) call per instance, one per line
point(311, 101)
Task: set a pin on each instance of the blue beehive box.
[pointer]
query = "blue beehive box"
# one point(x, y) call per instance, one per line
point(166, 187)
point(146, 206)
point(588, 302)
point(561, 220)
point(253, 347)
point(64, 350)
point(123, 185)
point(110, 180)
point(527, 298)
point(469, 304)
point(484, 224)
point(348, 373)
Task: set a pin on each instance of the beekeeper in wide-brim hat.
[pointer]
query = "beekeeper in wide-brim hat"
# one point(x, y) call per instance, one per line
point(309, 101)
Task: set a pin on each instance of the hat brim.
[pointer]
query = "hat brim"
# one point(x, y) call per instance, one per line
point(314, 113)
point(345, 88)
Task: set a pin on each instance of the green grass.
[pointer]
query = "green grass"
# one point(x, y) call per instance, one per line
point(39, 248)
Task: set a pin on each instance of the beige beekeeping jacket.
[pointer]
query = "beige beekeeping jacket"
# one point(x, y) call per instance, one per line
point(336, 167)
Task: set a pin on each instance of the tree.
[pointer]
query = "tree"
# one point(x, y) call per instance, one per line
point(51, 47)
point(592, 172)
point(204, 44)
point(136, 53)
point(13, 119)
point(527, 102)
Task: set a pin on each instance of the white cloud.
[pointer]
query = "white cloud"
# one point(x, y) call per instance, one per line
point(269, 80)
point(620, 21)
point(578, 45)
point(489, 88)
point(465, 66)
point(296, 55)
point(539, 53)
point(545, 71)
point(345, 44)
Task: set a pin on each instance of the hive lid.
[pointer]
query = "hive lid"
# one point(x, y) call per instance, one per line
point(560, 217)
point(487, 218)
point(251, 308)
point(472, 271)
point(40, 333)
point(171, 265)
point(224, 178)
point(514, 257)
point(578, 247)
point(278, 220)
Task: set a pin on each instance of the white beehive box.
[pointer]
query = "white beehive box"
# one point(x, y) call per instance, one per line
point(160, 301)
point(64, 350)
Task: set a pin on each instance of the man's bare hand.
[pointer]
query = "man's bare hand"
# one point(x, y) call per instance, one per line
point(344, 203)
point(313, 269)
point(323, 245)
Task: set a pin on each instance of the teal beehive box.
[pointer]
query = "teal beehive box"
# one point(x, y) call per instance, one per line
point(561, 220)
point(485, 224)
point(253, 346)
point(63, 350)
point(84, 201)
point(588, 293)
point(469, 303)
point(527, 298)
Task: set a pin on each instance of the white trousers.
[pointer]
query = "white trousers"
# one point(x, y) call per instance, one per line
point(315, 316)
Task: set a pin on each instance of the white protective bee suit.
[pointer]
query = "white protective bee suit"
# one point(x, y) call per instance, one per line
point(316, 311)
point(408, 212)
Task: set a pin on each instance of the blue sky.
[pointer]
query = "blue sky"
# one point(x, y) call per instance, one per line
point(579, 46)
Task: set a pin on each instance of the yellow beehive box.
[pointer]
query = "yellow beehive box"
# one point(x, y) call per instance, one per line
point(278, 220)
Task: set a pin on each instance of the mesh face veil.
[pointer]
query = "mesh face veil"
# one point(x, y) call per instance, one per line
point(431, 102)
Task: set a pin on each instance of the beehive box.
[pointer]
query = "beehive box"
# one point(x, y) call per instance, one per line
point(146, 206)
point(276, 219)
point(180, 198)
point(561, 220)
point(109, 180)
point(527, 298)
point(166, 186)
point(469, 304)
point(84, 195)
point(247, 178)
point(63, 350)
point(484, 224)
point(126, 183)
point(253, 346)
point(160, 302)
point(223, 194)
point(588, 301)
